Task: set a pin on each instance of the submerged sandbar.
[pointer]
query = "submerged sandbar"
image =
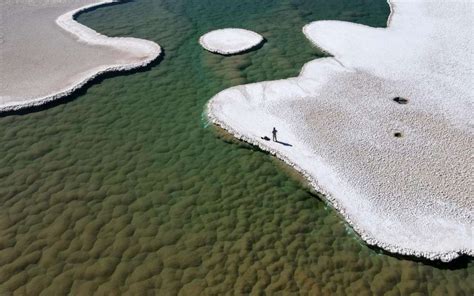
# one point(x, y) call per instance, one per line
point(46, 54)
point(383, 128)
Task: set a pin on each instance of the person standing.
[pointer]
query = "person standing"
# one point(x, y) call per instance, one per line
point(274, 133)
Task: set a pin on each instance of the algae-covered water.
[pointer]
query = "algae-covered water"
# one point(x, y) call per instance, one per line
point(124, 188)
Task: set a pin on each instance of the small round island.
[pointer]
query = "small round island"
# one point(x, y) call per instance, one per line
point(230, 41)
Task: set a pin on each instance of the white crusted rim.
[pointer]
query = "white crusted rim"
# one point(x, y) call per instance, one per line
point(148, 49)
point(445, 255)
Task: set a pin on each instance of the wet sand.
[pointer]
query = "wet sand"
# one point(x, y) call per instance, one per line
point(46, 54)
point(382, 128)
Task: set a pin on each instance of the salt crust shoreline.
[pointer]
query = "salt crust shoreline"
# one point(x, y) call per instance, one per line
point(218, 45)
point(216, 115)
point(150, 50)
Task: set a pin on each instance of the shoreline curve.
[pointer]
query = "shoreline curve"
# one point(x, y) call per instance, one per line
point(332, 202)
point(148, 50)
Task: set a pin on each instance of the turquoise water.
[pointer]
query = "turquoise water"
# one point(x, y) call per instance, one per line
point(124, 189)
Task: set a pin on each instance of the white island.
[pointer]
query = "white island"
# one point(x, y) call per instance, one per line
point(230, 41)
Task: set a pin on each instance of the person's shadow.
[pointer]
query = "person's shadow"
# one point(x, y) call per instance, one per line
point(279, 142)
point(284, 144)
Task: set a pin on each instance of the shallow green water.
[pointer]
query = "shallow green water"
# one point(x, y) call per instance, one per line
point(125, 190)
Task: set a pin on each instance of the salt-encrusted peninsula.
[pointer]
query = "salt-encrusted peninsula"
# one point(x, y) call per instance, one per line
point(230, 40)
point(45, 54)
point(383, 128)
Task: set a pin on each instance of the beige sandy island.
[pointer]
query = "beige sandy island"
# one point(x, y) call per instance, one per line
point(45, 54)
point(230, 40)
point(384, 128)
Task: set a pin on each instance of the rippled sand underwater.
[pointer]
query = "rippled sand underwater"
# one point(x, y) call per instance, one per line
point(124, 188)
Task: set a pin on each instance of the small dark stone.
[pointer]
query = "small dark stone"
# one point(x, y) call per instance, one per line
point(400, 100)
point(398, 135)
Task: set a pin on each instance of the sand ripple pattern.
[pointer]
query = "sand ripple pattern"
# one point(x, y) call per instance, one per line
point(122, 190)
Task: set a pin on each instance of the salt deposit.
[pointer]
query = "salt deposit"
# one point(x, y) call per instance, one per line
point(400, 174)
point(230, 40)
point(46, 54)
